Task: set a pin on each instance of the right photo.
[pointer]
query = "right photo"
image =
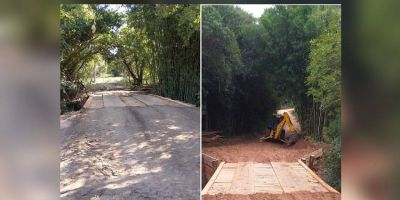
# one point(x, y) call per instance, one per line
point(271, 101)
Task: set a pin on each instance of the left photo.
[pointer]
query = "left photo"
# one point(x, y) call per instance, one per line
point(129, 101)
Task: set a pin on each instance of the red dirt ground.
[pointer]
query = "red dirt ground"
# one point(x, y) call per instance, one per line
point(287, 196)
point(249, 149)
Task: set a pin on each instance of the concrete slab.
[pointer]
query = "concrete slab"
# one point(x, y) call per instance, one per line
point(155, 101)
point(130, 152)
point(131, 101)
point(112, 100)
point(94, 101)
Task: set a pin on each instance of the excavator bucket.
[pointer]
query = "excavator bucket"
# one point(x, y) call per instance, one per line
point(291, 139)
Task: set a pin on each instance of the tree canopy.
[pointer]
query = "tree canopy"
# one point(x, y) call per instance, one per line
point(236, 94)
point(152, 44)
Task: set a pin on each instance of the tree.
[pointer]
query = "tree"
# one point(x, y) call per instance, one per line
point(237, 95)
point(81, 26)
point(221, 57)
point(159, 43)
point(324, 85)
point(289, 30)
point(324, 70)
point(172, 34)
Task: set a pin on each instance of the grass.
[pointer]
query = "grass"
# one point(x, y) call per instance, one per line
point(107, 78)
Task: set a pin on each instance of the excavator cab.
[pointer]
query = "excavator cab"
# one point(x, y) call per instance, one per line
point(276, 131)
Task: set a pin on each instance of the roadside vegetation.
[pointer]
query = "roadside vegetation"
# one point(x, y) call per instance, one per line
point(251, 67)
point(156, 45)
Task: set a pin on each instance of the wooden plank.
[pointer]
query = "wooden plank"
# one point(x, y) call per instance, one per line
point(241, 184)
point(225, 175)
point(207, 173)
point(212, 179)
point(210, 133)
point(219, 188)
point(207, 140)
point(318, 153)
point(322, 182)
point(211, 139)
point(304, 160)
point(209, 165)
point(273, 178)
point(210, 161)
point(279, 181)
point(294, 178)
point(311, 162)
point(265, 180)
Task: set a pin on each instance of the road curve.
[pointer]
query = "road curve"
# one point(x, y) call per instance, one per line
point(127, 145)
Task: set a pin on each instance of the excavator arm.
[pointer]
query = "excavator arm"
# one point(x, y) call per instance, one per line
point(276, 133)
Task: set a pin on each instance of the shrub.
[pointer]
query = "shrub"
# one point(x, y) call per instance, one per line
point(331, 163)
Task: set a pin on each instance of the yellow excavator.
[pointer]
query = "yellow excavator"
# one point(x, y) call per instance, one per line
point(276, 131)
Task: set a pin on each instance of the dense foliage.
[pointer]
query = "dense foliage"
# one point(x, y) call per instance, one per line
point(291, 55)
point(173, 33)
point(152, 44)
point(236, 94)
point(324, 86)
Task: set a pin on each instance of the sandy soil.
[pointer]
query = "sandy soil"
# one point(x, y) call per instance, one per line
point(291, 196)
point(249, 149)
point(130, 146)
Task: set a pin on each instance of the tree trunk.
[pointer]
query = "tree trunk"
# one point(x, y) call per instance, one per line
point(128, 68)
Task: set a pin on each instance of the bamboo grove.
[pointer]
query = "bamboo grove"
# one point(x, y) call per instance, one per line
point(153, 44)
point(289, 57)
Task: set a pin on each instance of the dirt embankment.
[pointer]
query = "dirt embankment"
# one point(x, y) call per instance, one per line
point(249, 149)
point(286, 196)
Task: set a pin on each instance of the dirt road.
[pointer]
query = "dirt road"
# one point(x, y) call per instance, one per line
point(249, 149)
point(127, 145)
